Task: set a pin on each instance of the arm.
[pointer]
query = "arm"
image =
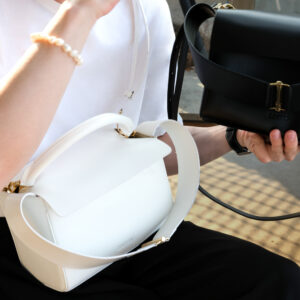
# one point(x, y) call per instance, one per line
point(211, 144)
point(31, 92)
point(210, 141)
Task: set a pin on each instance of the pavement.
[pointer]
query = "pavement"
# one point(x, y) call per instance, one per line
point(262, 189)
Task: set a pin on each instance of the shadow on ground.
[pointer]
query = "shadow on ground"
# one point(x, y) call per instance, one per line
point(256, 188)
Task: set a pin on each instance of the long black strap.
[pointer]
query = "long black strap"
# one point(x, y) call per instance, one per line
point(176, 73)
point(176, 76)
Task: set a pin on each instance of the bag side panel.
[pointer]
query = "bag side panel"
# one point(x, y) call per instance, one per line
point(51, 275)
point(75, 277)
point(46, 272)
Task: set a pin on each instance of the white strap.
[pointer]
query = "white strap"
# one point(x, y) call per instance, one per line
point(188, 180)
point(188, 172)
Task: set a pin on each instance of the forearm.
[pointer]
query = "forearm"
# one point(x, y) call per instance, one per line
point(210, 141)
point(31, 92)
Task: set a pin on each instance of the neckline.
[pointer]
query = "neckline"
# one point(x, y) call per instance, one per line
point(50, 5)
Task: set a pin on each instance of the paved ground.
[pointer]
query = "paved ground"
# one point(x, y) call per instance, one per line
point(270, 189)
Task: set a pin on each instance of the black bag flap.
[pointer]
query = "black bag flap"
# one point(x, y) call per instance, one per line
point(258, 44)
point(257, 33)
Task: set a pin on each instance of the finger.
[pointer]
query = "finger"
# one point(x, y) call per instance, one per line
point(256, 144)
point(290, 145)
point(276, 149)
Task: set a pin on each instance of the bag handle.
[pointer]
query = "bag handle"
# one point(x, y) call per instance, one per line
point(71, 137)
point(188, 180)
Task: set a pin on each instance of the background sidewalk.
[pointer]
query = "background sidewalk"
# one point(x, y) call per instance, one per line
point(262, 189)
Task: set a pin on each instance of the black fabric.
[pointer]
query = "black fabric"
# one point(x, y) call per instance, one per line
point(196, 264)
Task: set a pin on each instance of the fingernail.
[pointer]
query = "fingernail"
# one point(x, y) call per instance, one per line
point(291, 136)
point(276, 134)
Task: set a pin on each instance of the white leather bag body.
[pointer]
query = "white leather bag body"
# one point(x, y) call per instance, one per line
point(96, 195)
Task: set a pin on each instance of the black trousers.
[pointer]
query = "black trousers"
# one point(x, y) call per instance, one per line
point(196, 264)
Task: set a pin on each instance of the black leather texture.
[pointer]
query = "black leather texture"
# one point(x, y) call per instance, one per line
point(238, 73)
point(249, 52)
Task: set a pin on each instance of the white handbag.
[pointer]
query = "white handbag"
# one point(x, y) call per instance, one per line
point(96, 195)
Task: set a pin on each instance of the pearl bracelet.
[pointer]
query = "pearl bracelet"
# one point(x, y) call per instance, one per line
point(53, 40)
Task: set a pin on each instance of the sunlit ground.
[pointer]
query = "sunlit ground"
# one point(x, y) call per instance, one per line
point(260, 190)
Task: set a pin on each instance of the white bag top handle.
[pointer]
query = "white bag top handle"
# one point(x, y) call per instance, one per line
point(188, 180)
point(71, 137)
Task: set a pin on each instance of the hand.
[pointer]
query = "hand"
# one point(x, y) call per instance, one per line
point(277, 150)
point(98, 7)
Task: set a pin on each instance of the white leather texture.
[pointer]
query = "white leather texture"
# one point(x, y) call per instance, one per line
point(125, 216)
point(49, 273)
point(107, 219)
point(188, 171)
point(110, 160)
point(71, 137)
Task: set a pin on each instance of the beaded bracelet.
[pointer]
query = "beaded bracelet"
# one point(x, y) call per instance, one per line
point(40, 37)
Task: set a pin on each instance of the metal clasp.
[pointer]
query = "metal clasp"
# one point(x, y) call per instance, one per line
point(156, 242)
point(133, 135)
point(278, 104)
point(16, 187)
point(224, 6)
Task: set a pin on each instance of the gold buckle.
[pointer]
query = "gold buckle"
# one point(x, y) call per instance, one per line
point(278, 104)
point(121, 132)
point(134, 134)
point(16, 187)
point(157, 242)
point(224, 6)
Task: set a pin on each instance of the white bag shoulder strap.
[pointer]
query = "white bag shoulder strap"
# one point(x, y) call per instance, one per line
point(188, 180)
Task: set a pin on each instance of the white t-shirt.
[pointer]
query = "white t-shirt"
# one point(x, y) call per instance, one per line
point(127, 51)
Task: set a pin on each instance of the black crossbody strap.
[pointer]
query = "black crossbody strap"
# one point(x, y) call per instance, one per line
point(177, 65)
point(208, 71)
point(176, 73)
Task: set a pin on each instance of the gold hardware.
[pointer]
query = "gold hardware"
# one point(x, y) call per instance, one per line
point(156, 242)
point(279, 84)
point(224, 6)
point(130, 94)
point(16, 187)
point(120, 132)
point(138, 135)
point(134, 134)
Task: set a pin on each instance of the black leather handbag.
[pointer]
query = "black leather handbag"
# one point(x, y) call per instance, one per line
point(250, 68)
point(251, 73)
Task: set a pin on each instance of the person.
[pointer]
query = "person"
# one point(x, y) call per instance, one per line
point(126, 46)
